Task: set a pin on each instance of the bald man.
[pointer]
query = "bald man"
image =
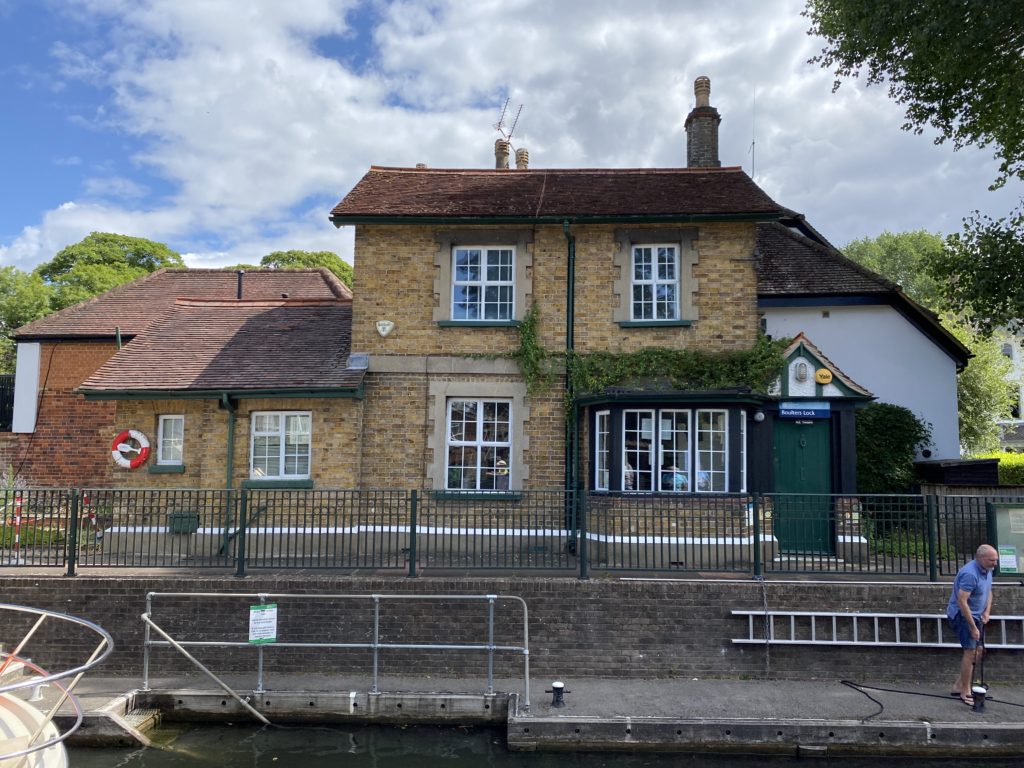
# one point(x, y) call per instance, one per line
point(968, 610)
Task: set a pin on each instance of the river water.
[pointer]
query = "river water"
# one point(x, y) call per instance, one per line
point(246, 746)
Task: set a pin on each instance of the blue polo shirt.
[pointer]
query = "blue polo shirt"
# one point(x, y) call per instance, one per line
point(976, 580)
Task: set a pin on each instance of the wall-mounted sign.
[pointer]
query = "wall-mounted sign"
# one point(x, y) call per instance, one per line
point(1006, 532)
point(263, 623)
point(823, 376)
point(805, 409)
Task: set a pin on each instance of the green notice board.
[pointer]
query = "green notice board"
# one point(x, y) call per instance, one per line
point(1006, 523)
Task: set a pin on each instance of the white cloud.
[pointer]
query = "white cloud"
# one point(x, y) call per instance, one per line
point(235, 108)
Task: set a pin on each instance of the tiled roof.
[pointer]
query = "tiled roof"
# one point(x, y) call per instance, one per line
point(790, 264)
point(236, 345)
point(793, 266)
point(556, 193)
point(133, 306)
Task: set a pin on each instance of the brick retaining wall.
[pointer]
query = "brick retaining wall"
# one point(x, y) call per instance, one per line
point(606, 628)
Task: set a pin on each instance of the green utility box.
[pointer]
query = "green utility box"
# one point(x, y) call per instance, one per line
point(182, 522)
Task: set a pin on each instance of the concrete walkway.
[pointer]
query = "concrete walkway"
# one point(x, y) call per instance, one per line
point(785, 717)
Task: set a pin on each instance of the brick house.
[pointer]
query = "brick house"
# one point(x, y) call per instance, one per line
point(448, 264)
point(286, 379)
point(213, 368)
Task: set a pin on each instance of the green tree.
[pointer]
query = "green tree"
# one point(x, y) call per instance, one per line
point(100, 262)
point(956, 66)
point(308, 260)
point(901, 258)
point(24, 297)
point(888, 437)
point(981, 272)
point(983, 389)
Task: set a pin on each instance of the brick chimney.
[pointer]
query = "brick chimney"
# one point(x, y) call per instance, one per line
point(501, 150)
point(702, 129)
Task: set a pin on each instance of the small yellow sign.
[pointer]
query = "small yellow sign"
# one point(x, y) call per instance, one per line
point(823, 376)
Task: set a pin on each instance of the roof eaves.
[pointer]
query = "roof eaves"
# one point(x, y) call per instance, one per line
point(766, 216)
point(355, 391)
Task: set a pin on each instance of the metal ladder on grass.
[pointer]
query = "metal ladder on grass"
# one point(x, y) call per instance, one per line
point(871, 629)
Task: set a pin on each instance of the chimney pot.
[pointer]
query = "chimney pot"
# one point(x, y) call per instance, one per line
point(522, 159)
point(501, 148)
point(241, 274)
point(702, 90)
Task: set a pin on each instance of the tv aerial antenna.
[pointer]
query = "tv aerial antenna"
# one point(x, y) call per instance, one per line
point(500, 125)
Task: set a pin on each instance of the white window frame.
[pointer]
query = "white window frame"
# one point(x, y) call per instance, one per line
point(481, 446)
point(702, 455)
point(485, 283)
point(602, 449)
point(655, 282)
point(282, 434)
point(163, 440)
point(699, 461)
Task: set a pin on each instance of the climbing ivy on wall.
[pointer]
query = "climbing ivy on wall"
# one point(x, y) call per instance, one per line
point(695, 370)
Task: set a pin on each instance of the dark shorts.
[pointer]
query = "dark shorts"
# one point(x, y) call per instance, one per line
point(963, 630)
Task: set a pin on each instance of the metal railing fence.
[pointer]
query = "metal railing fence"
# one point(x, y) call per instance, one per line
point(415, 531)
point(364, 629)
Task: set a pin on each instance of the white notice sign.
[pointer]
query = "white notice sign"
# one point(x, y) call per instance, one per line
point(263, 623)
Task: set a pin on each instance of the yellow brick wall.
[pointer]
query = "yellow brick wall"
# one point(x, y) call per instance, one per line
point(398, 423)
point(336, 424)
point(395, 273)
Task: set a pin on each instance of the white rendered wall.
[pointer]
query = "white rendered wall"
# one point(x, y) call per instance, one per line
point(883, 352)
point(26, 388)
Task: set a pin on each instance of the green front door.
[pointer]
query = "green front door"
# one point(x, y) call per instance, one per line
point(803, 461)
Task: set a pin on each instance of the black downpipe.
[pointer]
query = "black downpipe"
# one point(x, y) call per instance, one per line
point(571, 434)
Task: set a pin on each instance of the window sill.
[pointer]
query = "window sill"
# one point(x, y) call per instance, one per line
point(477, 495)
point(277, 484)
point(478, 323)
point(167, 469)
point(655, 323)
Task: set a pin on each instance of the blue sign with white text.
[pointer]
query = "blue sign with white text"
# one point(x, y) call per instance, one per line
point(809, 409)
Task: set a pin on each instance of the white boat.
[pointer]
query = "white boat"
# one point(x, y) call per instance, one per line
point(28, 736)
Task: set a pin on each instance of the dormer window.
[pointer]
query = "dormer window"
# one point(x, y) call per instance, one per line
point(483, 283)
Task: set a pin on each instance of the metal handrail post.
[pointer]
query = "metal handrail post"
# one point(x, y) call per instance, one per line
point(72, 543)
point(413, 508)
point(490, 644)
point(376, 643)
point(583, 510)
point(145, 643)
point(933, 538)
point(758, 506)
point(243, 506)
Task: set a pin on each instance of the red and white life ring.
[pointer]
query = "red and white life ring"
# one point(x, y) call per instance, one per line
point(121, 446)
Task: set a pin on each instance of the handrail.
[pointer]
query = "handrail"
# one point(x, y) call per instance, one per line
point(376, 646)
point(100, 653)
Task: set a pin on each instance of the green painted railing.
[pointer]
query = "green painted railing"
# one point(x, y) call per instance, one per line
point(428, 532)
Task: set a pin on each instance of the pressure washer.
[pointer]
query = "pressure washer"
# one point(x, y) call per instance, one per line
point(979, 691)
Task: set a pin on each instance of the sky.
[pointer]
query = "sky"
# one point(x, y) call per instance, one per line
point(228, 129)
